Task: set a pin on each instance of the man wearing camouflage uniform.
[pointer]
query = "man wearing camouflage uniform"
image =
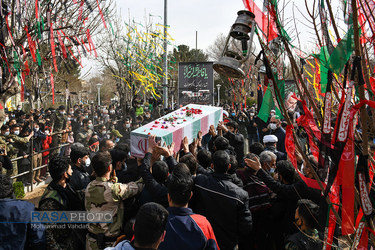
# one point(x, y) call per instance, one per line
point(59, 126)
point(103, 195)
point(85, 132)
point(4, 137)
point(59, 196)
point(17, 142)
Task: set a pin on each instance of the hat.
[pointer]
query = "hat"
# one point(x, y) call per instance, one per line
point(93, 141)
point(116, 133)
point(270, 138)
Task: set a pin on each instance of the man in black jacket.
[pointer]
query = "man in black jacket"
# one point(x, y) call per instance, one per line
point(37, 148)
point(81, 162)
point(224, 204)
point(236, 140)
point(290, 188)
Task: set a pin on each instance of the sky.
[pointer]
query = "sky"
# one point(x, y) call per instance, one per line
point(209, 18)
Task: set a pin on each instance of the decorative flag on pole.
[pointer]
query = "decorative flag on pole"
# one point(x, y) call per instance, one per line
point(342, 53)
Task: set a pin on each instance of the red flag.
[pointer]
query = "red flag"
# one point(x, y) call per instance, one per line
point(62, 45)
point(53, 47)
point(53, 89)
point(80, 10)
point(290, 150)
point(101, 14)
point(268, 28)
point(23, 87)
point(30, 41)
point(345, 178)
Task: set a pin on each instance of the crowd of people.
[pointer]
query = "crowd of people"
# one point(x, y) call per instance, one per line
point(233, 188)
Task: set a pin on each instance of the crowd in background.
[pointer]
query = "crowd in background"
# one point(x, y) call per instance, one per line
point(232, 188)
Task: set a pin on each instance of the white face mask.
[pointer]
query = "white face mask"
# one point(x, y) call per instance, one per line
point(17, 132)
point(87, 162)
point(252, 114)
point(46, 132)
point(272, 170)
point(36, 129)
point(127, 125)
point(6, 133)
point(273, 126)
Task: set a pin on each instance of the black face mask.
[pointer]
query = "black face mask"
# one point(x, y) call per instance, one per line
point(67, 180)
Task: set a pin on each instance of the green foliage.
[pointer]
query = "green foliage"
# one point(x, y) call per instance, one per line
point(19, 190)
point(184, 54)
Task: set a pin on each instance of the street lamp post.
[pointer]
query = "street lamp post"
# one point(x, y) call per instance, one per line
point(99, 85)
point(218, 94)
point(165, 59)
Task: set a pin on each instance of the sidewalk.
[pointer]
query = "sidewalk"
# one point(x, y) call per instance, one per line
point(38, 191)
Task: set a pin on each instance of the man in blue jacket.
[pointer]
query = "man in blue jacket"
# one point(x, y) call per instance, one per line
point(185, 230)
point(16, 229)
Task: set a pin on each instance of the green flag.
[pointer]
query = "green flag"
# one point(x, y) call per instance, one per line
point(324, 55)
point(267, 105)
point(342, 52)
point(268, 102)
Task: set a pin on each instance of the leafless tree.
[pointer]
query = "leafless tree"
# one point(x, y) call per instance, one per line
point(38, 37)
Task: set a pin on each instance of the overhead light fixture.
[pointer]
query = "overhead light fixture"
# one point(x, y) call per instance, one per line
point(242, 31)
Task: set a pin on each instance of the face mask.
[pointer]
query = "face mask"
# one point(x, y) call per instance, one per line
point(18, 109)
point(273, 126)
point(67, 180)
point(104, 132)
point(46, 132)
point(17, 132)
point(7, 119)
point(127, 125)
point(62, 112)
point(36, 129)
point(86, 163)
point(233, 114)
point(96, 117)
point(112, 111)
point(117, 140)
point(7, 133)
point(91, 126)
point(272, 114)
point(252, 114)
point(124, 166)
point(272, 170)
point(87, 117)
